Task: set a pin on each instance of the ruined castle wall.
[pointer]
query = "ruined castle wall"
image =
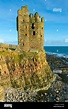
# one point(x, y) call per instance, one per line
point(23, 29)
point(35, 36)
point(7, 46)
point(42, 35)
point(30, 30)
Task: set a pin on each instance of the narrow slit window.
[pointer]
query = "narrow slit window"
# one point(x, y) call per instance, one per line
point(33, 32)
point(33, 26)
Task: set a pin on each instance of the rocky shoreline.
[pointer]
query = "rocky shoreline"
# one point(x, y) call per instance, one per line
point(58, 63)
point(58, 91)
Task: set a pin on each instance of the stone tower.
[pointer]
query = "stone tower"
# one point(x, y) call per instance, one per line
point(30, 30)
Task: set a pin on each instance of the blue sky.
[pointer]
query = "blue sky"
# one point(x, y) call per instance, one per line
point(55, 13)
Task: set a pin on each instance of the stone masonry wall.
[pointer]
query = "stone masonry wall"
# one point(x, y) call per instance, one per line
point(30, 30)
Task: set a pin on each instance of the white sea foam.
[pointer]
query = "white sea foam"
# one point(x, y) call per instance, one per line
point(57, 54)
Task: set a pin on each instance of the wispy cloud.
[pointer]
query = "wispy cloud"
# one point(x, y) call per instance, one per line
point(66, 40)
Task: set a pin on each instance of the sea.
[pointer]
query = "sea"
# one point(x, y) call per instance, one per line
point(60, 51)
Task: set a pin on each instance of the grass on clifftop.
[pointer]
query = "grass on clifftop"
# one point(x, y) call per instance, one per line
point(17, 56)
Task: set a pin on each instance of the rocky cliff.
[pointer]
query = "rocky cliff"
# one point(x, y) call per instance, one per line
point(25, 70)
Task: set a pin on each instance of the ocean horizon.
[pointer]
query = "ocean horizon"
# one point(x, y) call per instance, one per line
point(60, 51)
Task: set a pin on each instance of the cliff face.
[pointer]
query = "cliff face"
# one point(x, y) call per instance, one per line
point(4, 73)
point(1, 94)
point(5, 82)
point(25, 70)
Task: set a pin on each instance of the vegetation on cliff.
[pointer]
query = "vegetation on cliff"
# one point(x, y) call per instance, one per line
point(27, 69)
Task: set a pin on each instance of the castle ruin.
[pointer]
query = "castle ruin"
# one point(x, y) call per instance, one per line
point(30, 30)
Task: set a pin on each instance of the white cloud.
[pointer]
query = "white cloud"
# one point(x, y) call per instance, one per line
point(66, 40)
point(1, 40)
point(57, 9)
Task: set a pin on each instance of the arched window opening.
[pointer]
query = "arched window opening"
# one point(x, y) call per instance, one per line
point(31, 15)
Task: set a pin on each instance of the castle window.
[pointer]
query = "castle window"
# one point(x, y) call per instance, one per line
point(0, 71)
point(33, 32)
point(5, 72)
point(23, 44)
point(26, 34)
point(42, 27)
point(41, 35)
point(33, 26)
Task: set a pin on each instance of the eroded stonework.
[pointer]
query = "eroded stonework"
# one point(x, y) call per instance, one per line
point(30, 30)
